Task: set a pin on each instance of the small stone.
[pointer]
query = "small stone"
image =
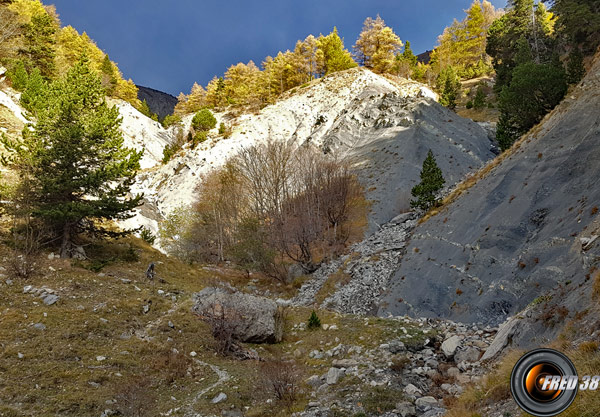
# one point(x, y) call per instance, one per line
point(160, 292)
point(469, 354)
point(219, 398)
point(333, 327)
point(50, 299)
point(9, 281)
point(406, 409)
point(20, 355)
point(39, 326)
point(171, 325)
point(27, 288)
point(314, 381)
point(334, 375)
point(193, 354)
point(425, 403)
point(51, 256)
point(344, 363)
point(453, 372)
point(396, 346)
point(410, 389)
point(325, 326)
point(100, 358)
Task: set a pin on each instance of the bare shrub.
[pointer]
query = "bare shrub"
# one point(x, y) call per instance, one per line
point(28, 235)
point(271, 204)
point(281, 379)
point(172, 365)
point(223, 323)
point(135, 397)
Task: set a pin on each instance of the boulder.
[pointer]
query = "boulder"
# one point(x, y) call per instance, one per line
point(450, 345)
point(502, 340)
point(425, 403)
point(396, 346)
point(469, 354)
point(406, 409)
point(253, 319)
point(334, 375)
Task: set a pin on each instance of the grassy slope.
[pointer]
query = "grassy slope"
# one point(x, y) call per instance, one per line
point(101, 314)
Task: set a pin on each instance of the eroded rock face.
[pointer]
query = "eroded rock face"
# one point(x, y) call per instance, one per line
point(253, 319)
point(516, 234)
point(386, 127)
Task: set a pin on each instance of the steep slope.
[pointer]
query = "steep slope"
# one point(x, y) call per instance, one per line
point(526, 228)
point(385, 126)
point(159, 102)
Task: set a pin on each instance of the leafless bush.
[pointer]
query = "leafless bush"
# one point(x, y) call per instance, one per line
point(135, 397)
point(270, 204)
point(28, 236)
point(281, 379)
point(172, 364)
point(223, 323)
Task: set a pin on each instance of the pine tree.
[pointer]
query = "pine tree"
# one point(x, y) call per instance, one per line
point(432, 181)
point(331, 54)
point(534, 90)
point(575, 68)
point(109, 76)
point(204, 120)
point(40, 44)
point(145, 110)
point(74, 160)
point(448, 84)
point(408, 55)
point(313, 321)
point(479, 100)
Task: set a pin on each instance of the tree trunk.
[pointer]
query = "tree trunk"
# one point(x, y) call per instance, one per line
point(66, 245)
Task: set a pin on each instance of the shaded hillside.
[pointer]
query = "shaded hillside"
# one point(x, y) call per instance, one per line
point(159, 102)
point(525, 228)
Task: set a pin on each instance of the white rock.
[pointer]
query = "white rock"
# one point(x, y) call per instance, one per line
point(219, 398)
point(450, 345)
point(334, 375)
point(100, 358)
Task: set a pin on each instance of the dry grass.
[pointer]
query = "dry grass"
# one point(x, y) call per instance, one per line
point(494, 388)
point(101, 314)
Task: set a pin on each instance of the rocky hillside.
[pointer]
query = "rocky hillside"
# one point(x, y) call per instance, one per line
point(159, 102)
point(528, 227)
point(385, 126)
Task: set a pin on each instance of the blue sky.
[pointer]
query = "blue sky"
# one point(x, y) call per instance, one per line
point(168, 45)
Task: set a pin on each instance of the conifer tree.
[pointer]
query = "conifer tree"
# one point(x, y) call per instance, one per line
point(575, 68)
point(109, 76)
point(313, 321)
point(377, 45)
point(408, 55)
point(448, 84)
point(40, 43)
point(331, 54)
point(432, 182)
point(74, 161)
